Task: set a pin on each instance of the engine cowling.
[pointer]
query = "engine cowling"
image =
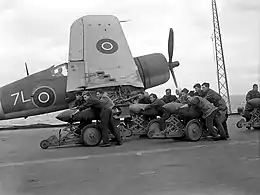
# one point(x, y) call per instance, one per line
point(153, 69)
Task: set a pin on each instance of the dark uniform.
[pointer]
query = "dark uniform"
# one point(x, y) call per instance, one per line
point(157, 105)
point(106, 117)
point(252, 94)
point(214, 98)
point(169, 98)
point(78, 103)
point(83, 122)
point(151, 111)
point(144, 100)
point(209, 114)
point(200, 93)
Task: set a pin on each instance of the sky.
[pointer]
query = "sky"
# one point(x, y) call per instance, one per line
point(37, 32)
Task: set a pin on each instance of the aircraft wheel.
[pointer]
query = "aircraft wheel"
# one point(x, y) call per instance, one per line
point(44, 144)
point(239, 124)
point(91, 135)
point(193, 130)
point(153, 127)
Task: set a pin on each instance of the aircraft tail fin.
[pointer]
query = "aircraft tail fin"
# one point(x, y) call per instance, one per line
point(26, 68)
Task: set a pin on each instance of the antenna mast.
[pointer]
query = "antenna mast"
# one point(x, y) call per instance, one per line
point(221, 69)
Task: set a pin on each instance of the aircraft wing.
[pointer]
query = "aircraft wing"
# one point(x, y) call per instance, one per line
point(99, 54)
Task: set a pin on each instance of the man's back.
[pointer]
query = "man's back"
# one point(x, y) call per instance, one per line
point(94, 104)
point(144, 100)
point(203, 104)
point(216, 99)
point(108, 102)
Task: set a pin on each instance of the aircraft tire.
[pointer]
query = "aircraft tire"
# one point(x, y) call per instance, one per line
point(44, 144)
point(193, 130)
point(91, 135)
point(153, 126)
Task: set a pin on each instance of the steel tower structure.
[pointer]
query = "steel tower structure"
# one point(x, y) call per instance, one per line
point(221, 69)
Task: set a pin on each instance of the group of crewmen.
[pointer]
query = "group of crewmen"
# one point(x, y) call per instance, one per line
point(208, 101)
point(102, 108)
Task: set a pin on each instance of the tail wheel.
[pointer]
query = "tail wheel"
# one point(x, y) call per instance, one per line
point(44, 144)
point(240, 123)
point(91, 136)
point(193, 130)
point(153, 127)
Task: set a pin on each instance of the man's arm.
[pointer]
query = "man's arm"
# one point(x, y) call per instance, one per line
point(153, 105)
point(87, 104)
point(248, 96)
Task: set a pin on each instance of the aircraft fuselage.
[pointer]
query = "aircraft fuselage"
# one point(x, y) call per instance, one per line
point(36, 94)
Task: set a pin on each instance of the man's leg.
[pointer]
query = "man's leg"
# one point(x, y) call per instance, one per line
point(220, 128)
point(209, 125)
point(164, 117)
point(225, 126)
point(223, 119)
point(105, 118)
point(82, 124)
point(114, 130)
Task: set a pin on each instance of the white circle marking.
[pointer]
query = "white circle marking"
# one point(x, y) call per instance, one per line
point(44, 101)
point(110, 46)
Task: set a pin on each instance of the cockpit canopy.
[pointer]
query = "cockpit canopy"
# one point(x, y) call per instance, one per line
point(60, 70)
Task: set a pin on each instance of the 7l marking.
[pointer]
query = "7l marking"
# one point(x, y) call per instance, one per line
point(17, 95)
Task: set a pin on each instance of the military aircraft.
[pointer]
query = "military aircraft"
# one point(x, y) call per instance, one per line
point(99, 57)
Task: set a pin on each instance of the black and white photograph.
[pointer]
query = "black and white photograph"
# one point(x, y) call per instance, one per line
point(132, 97)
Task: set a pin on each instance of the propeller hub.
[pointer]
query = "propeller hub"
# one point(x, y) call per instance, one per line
point(174, 64)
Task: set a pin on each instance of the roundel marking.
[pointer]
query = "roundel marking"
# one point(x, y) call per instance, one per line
point(107, 46)
point(44, 96)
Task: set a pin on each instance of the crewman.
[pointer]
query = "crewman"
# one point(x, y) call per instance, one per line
point(156, 104)
point(168, 97)
point(254, 93)
point(75, 105)
point(209, 114)
point(216, 99)
point(142, 98)
point(79, 99)
point(198, 91)
point(101, 95)
point(106, 118)
point(184, 96)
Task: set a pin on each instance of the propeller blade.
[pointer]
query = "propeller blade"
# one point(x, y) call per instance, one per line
point(174, 78)
point(121, 21)
point(26, 68)
point(170, 45)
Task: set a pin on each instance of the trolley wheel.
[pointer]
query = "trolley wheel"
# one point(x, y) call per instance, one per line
point(240, 123)
point(153, 127)
point(193, 130)
point(44, 144)
point(91, 136)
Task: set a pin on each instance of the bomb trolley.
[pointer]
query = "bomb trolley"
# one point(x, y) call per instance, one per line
point(90, 134)
point(177, 128)
point(253, 122)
